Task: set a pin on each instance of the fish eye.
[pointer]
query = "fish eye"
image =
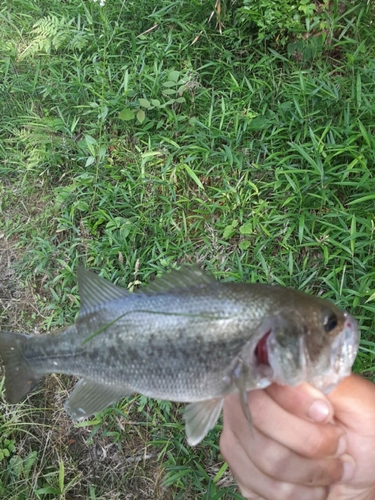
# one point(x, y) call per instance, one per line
point(330, 322)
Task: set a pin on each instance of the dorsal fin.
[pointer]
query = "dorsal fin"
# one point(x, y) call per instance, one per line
point(182, 278)
point(94, 290)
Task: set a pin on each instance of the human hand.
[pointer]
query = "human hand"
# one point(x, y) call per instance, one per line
point(304, 445)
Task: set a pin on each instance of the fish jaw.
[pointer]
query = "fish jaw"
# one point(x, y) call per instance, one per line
point(344, 350)
point(333, 364)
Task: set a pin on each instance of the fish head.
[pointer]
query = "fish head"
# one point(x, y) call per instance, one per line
point(314, 342)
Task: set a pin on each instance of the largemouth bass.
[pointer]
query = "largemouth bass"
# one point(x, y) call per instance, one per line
point(188, 338)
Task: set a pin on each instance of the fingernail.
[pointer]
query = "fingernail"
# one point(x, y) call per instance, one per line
point(341, 448)
point(319, 410)
point(348, 468)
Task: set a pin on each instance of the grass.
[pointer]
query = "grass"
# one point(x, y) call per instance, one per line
point(138, 137)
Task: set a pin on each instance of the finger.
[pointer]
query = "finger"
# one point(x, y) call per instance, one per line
point(301, 436)
point(303, 401)
point(279, 462)
point(254, 484)
point(282, 464)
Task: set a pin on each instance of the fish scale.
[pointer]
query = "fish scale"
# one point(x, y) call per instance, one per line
point(188, 338)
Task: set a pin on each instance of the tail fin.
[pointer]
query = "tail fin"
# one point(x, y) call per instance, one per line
point(19, 376)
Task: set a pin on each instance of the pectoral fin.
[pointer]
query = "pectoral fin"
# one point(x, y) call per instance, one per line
point(200, 418)
point(90, 397)
point(239, 379)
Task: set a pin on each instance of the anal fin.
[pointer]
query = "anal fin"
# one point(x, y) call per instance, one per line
point(200, 417)
point(89, 397)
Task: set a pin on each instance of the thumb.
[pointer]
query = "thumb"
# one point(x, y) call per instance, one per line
point(303, 401)
point(353, 395)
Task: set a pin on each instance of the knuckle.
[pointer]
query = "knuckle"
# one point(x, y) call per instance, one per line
point(272, 464)
point(271, 459)
point(272, 467)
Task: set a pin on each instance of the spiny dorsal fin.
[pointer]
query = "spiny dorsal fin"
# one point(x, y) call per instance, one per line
point(94, 290)
point(182, 278)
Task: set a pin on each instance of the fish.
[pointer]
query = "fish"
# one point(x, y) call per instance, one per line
point(188, 338)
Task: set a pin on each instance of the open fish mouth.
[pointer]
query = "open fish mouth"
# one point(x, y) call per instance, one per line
point(261, 350)
point(293, 365)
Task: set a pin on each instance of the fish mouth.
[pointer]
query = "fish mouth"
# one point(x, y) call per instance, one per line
point(262, 370)
point(292, 364)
